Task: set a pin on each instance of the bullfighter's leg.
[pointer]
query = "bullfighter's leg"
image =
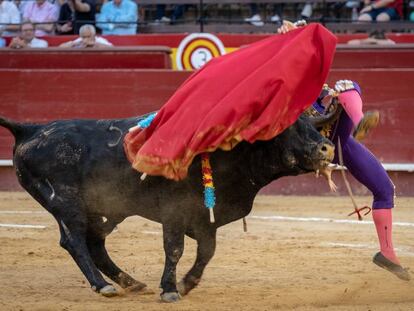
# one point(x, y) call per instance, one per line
point(96, 244)
point(173, 247)
point(369, 171)
point(364, 166)
point(73, 239)
point(206, 247)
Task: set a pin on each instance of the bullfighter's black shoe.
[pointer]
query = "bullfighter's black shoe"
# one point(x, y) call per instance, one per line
point(368, 122)
point(381, 261)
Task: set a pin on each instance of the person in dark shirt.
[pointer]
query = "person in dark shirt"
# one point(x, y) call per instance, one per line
point(84, 13)
point(64, 25)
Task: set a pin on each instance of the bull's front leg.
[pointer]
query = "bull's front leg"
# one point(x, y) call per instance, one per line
point(206, 246)
point(96, 234)
point(104, 263)
point(173, 248)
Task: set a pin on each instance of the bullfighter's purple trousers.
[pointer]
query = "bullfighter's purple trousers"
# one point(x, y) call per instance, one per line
point(362, 164)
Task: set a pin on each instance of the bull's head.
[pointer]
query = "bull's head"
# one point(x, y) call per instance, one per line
point(303, 148)
point(299, 149)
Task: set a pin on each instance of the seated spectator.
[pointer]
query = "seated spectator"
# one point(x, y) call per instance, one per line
point(374, 38)
point(43, 14)
point(178, 12)
point(354, 6)
point(21, 4)
point(2, 43)
point(307, 11)
point(331, 8)
point(9, 14)
point(84, 13)
point(256, 19)
point(64, 25)
point(118, 17)
point(27, 38)
point(87, 39)
point(381, 10)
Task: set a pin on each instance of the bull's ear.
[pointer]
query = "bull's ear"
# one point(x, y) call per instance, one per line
point(311, 112)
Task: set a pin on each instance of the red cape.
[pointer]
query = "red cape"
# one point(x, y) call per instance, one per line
point(251, 94)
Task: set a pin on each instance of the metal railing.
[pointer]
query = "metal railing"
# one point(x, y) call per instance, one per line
point(202, 22)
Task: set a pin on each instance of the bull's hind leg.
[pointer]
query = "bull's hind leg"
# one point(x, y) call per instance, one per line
point(72, 225)
point(73, 239)
point(205, 251)
point(96, 244)
point(173, 234)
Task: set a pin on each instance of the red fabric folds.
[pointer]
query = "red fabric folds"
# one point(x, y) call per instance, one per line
point(251, 94)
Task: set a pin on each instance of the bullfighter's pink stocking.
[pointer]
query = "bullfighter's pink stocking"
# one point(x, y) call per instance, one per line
point(352, 103)
point(383, 223)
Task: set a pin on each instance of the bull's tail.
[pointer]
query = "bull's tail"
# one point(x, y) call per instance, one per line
point(17, 129)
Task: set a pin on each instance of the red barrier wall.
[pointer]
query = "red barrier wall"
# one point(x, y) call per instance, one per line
point(349, 58)
point(154, 57)
point(42, 95)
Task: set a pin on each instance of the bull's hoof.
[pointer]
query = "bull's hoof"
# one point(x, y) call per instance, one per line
point(170, 297)
point(108, 291)
point(138, 289)
point(181, 288)
point(187, 284)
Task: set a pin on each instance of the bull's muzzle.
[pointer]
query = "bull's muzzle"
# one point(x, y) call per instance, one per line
point(326, 152)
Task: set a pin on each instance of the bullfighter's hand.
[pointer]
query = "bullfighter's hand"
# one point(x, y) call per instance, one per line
point(288, 26)
point(344, 85)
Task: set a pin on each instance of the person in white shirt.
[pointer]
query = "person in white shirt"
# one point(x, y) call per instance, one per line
point(9, 14)
point(87, 39)
point(27, 38)
point(43, 14)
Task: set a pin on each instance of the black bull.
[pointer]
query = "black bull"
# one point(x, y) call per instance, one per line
point(77, 170)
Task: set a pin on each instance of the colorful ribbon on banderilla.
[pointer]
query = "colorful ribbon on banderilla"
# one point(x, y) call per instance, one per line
point(143, 123)
point(209, 191)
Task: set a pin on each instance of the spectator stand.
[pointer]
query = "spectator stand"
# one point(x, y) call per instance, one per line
point(202, 20)
point(227, 16)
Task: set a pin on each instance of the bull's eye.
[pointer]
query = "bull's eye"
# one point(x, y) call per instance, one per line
point(290, 159)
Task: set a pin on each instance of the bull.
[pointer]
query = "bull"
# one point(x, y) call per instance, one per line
point(77, 170)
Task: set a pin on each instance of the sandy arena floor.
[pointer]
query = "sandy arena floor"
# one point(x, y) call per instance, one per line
point(279, 264)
